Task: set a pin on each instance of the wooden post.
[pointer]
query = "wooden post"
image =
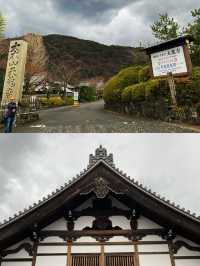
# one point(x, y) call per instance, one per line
point(102, 257)
point(69, 253)
point(136, 256)
point(35, 248)
point(171, 253)
point(172, 87)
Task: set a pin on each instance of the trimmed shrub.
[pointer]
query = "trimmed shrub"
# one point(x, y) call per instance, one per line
point(127, 94)
point(144, 74)
point(87, 94)
point(115, 86)
point(69, 100)
point(196, 74)
point(55, 101)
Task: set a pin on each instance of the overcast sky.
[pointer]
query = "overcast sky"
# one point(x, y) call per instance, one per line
point(124, 22)
point(31, 166)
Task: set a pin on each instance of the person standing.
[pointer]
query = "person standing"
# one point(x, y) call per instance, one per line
point(10, 114)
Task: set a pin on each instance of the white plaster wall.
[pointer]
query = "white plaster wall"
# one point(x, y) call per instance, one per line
point(152, 238)
point(119, 249)
point(120, 221)
point(83, 222)
point(155, 260)
point(153, 248)
point(50, 261)
point(52, 249)
point(145, 223)
point(53, 239)
point(16, 263)
point(86, 239)
point(118, 239)
point(86, 249)
point(187, 262)
point(186, 252)
point(57, 225)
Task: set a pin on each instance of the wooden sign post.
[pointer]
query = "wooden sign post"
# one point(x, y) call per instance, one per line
point(172, 87)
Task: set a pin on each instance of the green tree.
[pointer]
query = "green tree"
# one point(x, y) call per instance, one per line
point(2, 26)
point(165, 28)
point(194, 29)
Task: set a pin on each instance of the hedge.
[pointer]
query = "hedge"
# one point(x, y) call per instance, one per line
point(87, 94)
point(115, 86)
point(55, 101)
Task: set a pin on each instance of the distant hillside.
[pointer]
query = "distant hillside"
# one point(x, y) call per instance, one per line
point(93, 60)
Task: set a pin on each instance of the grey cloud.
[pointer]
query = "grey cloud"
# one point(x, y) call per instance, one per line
point(32, 166)
point(96, 10)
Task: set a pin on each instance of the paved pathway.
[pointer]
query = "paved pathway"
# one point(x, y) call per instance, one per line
point(92, 118)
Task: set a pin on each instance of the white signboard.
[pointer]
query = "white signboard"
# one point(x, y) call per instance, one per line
point(76, 96)
point(171, 60)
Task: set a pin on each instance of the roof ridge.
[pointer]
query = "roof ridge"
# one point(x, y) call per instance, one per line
point(100, 156)
point(158, 196)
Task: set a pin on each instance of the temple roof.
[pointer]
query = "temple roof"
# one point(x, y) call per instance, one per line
point(100, 159)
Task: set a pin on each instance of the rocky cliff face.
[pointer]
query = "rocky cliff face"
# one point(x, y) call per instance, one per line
point(71, 58)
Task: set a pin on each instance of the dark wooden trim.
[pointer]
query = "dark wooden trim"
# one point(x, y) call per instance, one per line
point(179, 244)
point(17, 260)
point(26, 246)
point(51, 254)
point(106, 243)
point(187, 258)
point(101, 233)
point(187, 59)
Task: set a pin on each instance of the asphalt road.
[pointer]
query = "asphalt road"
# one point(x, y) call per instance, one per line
point(92, 118)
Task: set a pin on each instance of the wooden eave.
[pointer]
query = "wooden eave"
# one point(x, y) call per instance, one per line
point(169, 44)
point(69, 197)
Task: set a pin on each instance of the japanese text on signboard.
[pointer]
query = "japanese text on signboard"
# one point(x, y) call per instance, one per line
point(169, 61)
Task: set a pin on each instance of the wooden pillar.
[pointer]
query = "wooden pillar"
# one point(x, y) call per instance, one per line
point(35, 248)
point(172, 87)
point(69, 253)
point(171, 253)
point(136, 255)
point(102, 256)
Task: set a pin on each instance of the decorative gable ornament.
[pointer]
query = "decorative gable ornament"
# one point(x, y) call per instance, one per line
point(101, 154)
point(101, 188)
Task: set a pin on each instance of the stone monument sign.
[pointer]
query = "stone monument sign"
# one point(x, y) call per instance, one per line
point(14, 79)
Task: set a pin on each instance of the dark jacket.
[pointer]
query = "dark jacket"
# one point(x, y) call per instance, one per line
point(11, 110)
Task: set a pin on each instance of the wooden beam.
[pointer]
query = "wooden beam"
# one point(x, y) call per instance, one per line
point(98, 233)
